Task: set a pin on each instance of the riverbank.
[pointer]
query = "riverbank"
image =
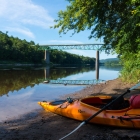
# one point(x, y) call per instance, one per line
point(43, 125)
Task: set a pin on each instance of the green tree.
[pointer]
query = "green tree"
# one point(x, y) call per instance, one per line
point(116, 21)
point(17, 50)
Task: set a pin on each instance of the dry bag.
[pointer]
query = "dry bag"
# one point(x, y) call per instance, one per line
point(135, 101)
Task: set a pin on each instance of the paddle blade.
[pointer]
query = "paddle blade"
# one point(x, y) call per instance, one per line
point(81, 124)
point(134, 87)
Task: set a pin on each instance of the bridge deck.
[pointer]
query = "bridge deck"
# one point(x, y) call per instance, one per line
point(74, 82)
point(72, 46)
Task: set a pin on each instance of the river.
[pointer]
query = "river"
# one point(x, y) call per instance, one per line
point(22, 88)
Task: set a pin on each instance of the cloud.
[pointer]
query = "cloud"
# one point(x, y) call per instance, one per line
point(24, 31)
point(23, 13)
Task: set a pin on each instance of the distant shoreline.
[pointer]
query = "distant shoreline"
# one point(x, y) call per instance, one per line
point(18, 64)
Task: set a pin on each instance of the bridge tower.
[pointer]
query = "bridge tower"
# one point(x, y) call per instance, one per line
point(47, 56)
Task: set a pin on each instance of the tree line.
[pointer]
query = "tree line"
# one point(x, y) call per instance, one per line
point(20, 51)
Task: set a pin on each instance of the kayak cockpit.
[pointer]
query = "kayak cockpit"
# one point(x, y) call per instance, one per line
point(100, 102)
point(57, 102)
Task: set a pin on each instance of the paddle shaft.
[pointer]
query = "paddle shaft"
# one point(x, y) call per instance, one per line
point(87, 120)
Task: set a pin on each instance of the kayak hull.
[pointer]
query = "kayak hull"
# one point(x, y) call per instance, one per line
point(83, 109)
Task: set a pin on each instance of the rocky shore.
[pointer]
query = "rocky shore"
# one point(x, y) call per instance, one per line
point(41, 125)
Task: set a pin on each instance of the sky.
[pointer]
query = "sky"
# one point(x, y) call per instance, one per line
point(31, 20)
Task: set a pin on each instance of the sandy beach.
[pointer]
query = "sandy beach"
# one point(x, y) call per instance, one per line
point(42, 125)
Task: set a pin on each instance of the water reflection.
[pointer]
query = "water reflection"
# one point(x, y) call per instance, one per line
point(11, 80)
point(14, 80)
point(112, 68)
point(25, 100)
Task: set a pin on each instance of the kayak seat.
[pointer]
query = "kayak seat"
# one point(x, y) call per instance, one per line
point(95, 101)
point(119, 104)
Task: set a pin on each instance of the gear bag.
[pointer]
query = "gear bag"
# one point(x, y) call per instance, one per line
point(135, 101)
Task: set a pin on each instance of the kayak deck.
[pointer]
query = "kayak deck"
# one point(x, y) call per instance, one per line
point(123, 116)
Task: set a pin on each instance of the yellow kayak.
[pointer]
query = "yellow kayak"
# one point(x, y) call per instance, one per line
point(120, 114)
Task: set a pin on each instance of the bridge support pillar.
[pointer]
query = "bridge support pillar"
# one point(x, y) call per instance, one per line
point(47, 57)
point(97, 64)
point(47, 72)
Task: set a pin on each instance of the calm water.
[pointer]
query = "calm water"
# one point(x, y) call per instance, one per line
point(21, 89)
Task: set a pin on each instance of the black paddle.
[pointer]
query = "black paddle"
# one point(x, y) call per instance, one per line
point(87, 120)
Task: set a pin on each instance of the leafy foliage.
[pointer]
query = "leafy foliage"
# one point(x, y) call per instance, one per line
point(116, 21)
point(131, 70)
